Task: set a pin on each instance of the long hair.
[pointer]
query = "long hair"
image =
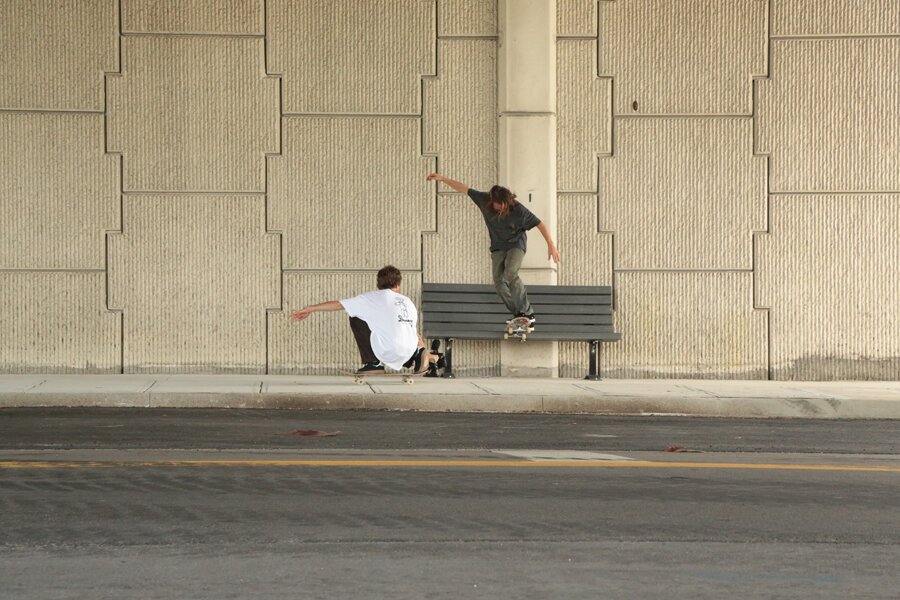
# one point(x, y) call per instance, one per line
point(505, 198)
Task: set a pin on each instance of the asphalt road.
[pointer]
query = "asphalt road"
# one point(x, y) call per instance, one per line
point(225, 504)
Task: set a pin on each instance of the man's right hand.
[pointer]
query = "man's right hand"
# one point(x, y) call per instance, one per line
point(459, 187)
point(303, 313)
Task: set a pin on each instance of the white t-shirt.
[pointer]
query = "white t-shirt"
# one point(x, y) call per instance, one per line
point(392, 318)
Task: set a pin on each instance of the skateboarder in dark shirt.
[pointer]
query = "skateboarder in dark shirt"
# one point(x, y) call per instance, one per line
point(507, 221)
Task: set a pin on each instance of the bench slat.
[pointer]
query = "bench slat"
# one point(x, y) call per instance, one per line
point(433, 317)
point(550, 328)
point(536, 335)
point(491, 298)
point(501, 311)
point(536, 289)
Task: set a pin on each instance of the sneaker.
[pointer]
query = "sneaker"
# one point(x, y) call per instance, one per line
point(421, 361)
point(529, 317)
point(374, 367)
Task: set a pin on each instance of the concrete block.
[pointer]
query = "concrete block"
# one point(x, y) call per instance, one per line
point(350, 193)
point(55, 53)
point(576, 18)
point(586, 253)
point(57, 322)
point(476, 358)
point(467, 18)
point(337, 58)
point(812, 119)
point(459, 251)
point(527, 56)
point(194, 276)
point(687, 324)
point(683, 193)
point(584, 120)
point(323, 344)
point(675, 57)
point(59, 192)
point(229, 17)
point(459, 122)
point(835, 17)
point(828, 272)
point(193, 114)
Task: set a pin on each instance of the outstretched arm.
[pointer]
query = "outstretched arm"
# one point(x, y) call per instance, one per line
point(299, 315)
point(459, 187)
point(552, 252)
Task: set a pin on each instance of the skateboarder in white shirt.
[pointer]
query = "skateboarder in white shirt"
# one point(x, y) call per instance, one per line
point(384, 325)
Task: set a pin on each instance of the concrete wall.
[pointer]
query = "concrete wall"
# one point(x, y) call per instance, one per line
point(176, 176)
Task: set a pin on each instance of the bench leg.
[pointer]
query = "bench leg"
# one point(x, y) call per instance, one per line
point(593, 361)
point(448, 359)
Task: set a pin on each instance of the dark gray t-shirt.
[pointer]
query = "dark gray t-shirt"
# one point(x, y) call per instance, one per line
point(508, 232)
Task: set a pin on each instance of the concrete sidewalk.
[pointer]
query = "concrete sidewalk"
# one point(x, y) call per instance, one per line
point(824, 400)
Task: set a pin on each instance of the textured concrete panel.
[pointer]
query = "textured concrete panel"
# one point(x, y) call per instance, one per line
point(194, 276)
point(460, 110)
point(193, 16)
point(459, 252)
point(835, 17)
point(55, 53)
point(586, 253)
point(683, 193)
point(676, 57)
point(324, 344)
point(574, 359)
point(339, 58)
point(829, 273)
point(467, 17)
point(687, 324)
point(193, 114)
point(586, 260)
point(576, 18)
point(58, 191)
point(584, 120)
point(57, 323)
point(829, 115)
point(350, 193)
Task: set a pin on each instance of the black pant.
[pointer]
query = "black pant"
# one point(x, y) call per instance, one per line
point(363, 336)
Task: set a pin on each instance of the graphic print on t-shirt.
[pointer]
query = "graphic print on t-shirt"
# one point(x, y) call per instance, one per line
point(403, 312)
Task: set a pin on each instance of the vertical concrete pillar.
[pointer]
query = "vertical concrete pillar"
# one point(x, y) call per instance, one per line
point(527, 151)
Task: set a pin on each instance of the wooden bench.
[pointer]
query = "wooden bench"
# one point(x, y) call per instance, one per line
point(563, 313)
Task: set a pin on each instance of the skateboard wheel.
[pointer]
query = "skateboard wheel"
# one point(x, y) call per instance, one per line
point(523, 338)
point(358, 381)
point(408, 380)
point(506, 336)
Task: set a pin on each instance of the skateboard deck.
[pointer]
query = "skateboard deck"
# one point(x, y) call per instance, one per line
point(407, 376)
point(518, 327)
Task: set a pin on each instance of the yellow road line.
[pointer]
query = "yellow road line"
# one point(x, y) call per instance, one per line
point(603, 464)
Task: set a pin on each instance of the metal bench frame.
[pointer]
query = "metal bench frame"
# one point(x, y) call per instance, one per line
point(564, 313)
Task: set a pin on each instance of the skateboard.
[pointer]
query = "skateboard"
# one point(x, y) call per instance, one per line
point(518, 327)
point(431, 371)
point(359, 378)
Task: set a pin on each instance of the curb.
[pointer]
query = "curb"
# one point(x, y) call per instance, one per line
point(744, 407)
